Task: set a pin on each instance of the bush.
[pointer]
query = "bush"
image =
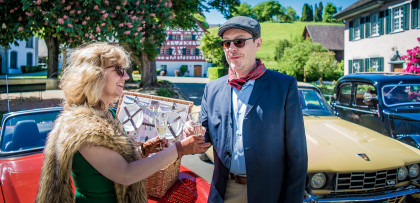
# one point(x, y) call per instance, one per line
point(158, 71)
point(217, 72)
point(165, 92)
point(183, 69)
point(31, 69)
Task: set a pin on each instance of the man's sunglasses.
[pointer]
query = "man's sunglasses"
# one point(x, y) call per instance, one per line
point(120, 70)
point(237, 42)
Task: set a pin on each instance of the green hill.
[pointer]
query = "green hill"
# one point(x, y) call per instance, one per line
point(271, 33)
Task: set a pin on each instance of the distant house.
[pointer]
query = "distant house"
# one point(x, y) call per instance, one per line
point(329, 36)
point(377, 33)
point(24, 54)
point(181, 48)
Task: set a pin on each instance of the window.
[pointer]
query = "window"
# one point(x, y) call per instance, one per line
point(357, 32)
point(374, 63)
point(357, 66)
point(163, 67)
point(13, 59)
point(397, 19)
point(375, 24)
point(187, 37)
point(361, 89)
point(166, 51)
point(30, 43)
point(29, 59)
point(188, 52)
point(345, 94)
point(174, 37)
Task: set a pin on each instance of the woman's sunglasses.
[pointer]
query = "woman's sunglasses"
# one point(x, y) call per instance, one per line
point(237, 42)
point(120, 70)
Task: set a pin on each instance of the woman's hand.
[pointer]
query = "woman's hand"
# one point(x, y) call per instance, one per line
point(153, 145)
point(194, 144)
point(188, 129)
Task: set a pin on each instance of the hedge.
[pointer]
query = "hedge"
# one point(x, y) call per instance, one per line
point(217, 72)
point(31, 69)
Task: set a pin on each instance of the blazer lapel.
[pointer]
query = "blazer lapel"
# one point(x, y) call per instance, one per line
point(259, 87)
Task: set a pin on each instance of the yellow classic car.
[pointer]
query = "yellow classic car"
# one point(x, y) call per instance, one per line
point(351, 163)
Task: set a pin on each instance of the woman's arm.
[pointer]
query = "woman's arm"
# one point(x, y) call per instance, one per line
point(114, 167)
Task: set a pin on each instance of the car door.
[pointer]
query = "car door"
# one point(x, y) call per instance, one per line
point(341, 103)
point(364, 111)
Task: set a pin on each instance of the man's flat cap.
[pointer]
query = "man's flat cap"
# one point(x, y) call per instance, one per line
point(241, 22)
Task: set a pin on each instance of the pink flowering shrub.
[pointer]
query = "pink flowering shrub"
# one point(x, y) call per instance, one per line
point(413, 60)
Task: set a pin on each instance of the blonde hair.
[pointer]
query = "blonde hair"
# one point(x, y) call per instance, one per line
point(83, 79)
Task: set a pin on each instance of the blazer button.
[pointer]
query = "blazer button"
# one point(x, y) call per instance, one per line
point(228, 153)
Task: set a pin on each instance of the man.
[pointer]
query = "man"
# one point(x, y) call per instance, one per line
point(254, 120)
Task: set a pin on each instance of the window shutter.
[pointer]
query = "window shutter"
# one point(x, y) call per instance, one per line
point(388, 21)
point(170, 37)
point(13, 59)
point(29, 59)
point(184, 51)
point(362, 25)
point(350, 67)
point(158, 50)
point(361, 64)
point(350, 30)
point(367, 23)
point(381, 64)
point(193, 37)
point(367, 65)
point(197, 51)
point(415, 14)
point(381, 22)
point(406, 17)
point(170, 51)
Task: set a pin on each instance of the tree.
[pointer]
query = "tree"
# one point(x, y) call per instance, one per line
point(329, 12)
point(413, 60)
point(307, 13)
point(212, 51)
point(321, 64)
point(200, 17)
point(318, 12)
point(295, 58)
point(280, 47)
point(292, 14)
point(266, 11)
point(243, 9)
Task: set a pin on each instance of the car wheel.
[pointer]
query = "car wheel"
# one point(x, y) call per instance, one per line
point(204, 157)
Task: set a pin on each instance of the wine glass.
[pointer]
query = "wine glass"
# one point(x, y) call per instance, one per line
point(196, 118)
point(161, 123)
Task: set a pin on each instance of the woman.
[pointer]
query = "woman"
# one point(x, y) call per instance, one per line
point(89, 143)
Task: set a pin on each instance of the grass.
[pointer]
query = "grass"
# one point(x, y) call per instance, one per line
point(271, 33)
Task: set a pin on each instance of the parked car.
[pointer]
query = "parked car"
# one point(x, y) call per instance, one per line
point(388, 103)
point(22, 138)
point(350, 163)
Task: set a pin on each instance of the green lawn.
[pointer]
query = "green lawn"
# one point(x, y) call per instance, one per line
point(271, 33)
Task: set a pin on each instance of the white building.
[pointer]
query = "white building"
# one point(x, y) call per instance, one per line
point(24, 54)
point(378, 33)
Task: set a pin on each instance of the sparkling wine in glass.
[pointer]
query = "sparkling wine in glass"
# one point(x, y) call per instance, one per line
point(161, 123)
point(196, 118)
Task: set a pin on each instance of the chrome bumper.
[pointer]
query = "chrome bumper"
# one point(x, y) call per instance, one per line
point(385, 196)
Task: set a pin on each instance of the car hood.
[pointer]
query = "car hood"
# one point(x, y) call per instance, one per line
point(334, 144)
point(20, 177)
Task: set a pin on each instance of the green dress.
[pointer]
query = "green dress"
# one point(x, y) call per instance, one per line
point(91, 186)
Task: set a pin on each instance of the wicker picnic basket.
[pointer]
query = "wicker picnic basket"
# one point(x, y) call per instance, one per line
point(158, 183)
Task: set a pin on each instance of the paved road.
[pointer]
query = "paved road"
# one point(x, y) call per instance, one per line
point(192, 89)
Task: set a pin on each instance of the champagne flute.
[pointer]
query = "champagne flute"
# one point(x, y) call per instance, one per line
point(196, 118)
point(161, 123)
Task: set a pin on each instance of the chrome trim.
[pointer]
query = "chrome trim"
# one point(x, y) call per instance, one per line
point(365, 199)
point(365, 180)
point(360, 110)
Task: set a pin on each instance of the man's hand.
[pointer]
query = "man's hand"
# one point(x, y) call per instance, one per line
point(153, 145)
point(193, 144)
point(188, 129)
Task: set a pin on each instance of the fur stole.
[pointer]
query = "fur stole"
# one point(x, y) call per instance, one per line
point(74, 126)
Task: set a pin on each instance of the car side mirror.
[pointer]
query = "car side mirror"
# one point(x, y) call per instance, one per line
point(369, 99)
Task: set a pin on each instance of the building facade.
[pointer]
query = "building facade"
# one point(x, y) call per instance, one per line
point(181, 48)
point(23, 54)
point(377, 33)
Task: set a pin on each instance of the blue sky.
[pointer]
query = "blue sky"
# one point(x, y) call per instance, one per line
point(215, 17)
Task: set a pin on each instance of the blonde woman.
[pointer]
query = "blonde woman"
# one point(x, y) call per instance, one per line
point(89, 144)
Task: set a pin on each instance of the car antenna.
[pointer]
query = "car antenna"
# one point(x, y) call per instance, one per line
point(394, 87)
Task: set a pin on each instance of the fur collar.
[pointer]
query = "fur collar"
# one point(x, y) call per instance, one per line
point(74, 126)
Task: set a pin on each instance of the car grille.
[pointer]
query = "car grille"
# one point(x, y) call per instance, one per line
point(366, 180)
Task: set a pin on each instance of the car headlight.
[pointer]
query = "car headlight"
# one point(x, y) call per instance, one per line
point(413, 170)
point(402, 173)
point(318, 180)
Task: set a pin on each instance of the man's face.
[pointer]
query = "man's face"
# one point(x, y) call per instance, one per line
point(241, 59)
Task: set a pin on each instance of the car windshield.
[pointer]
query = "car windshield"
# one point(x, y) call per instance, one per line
point(312, 103)
point(29, 131)
point(401, 94)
